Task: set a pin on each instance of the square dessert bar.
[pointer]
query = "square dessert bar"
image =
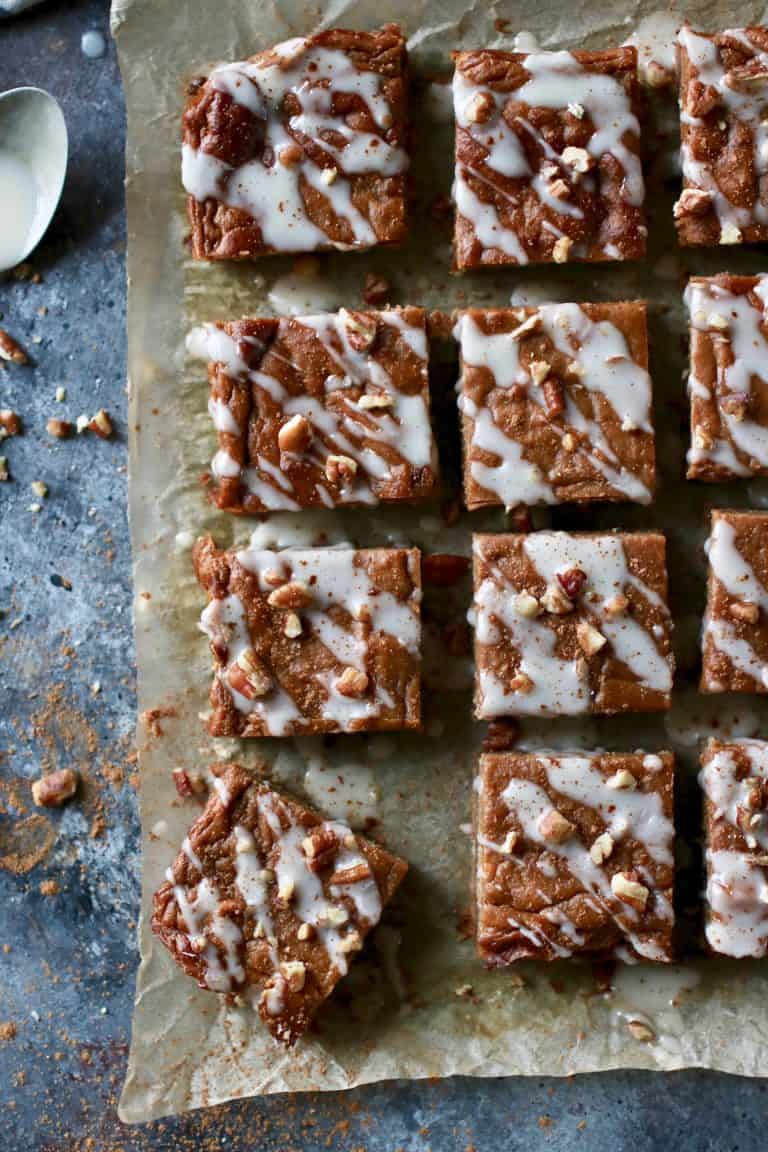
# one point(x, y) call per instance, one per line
point(567, 624)
point(320, 411)
point(547, 157)
point(312, 640)
point(556, 404)
point(734, 777)
point(300, 148)
point(269, 902)
point(735, 636)
point(723, 109)
point(574, 856)
point(728, 380)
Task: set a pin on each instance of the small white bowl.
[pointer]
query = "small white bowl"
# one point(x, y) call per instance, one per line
point(33, 164)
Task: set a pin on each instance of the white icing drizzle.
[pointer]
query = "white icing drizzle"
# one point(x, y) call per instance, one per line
point(273, 193)
point(404, 428)
point(308, 901)
point(623, 810)
point(607, 369)
point(737, 890)
point(739, 579)
point(555, 81)
point(741, 353)
point(561, 687)
point(223, 969)
point(745, 106)
point(641, 817)
point(224, 622)
point(251, 881)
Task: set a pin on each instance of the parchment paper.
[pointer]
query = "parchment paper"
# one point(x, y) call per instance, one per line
point(399, 1013)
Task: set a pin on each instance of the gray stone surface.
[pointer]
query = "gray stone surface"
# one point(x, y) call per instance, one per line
point(67, 968)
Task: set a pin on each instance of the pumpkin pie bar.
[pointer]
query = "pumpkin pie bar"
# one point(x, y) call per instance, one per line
point(733, 777)
point(735, 636)
point(571, 623)
point(556, 405)
point(307, 641)
point(300, 148)
point(574, 856)
point(320, 411)
point(728, 378)
point(547, 158)
point(269, 902)
point(723, 109)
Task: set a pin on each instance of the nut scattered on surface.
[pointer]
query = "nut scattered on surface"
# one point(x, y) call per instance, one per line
point(61, 394)
point(295, 974)
point(623, 780)
point(188, 783)
point(559, 189)
point(553, 826)
point(352, 942)
point(692, 202)
point(555, 601)
point(371, 401)
point(11, 350)
point(616, 606)
point(10, 423)
point(249, 676)
point(59, 429)
point(527, 605)
point(590, 640)
point(295, 435)
point(294, 595)
point(562, 249)
point(82, 423)
point(305, 932)
point(4, 468)
point(554, 397)
point(539, 370)
point(748, 613)
point(40, 488)
point(730, 234)
point(601, 848)
point(480, 108)
point(101, 424)
point(360, 329)
point(640, 1030)
point(578, 159)
point(572, 582)
point(340, 470)
point(521, 683)
point(352, 682)
point(329, 176)
point(55, 789)
point(629, 891)
point(293, 626)
point(286, 889)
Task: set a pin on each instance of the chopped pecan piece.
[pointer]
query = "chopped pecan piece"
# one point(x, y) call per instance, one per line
point(55, 789)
